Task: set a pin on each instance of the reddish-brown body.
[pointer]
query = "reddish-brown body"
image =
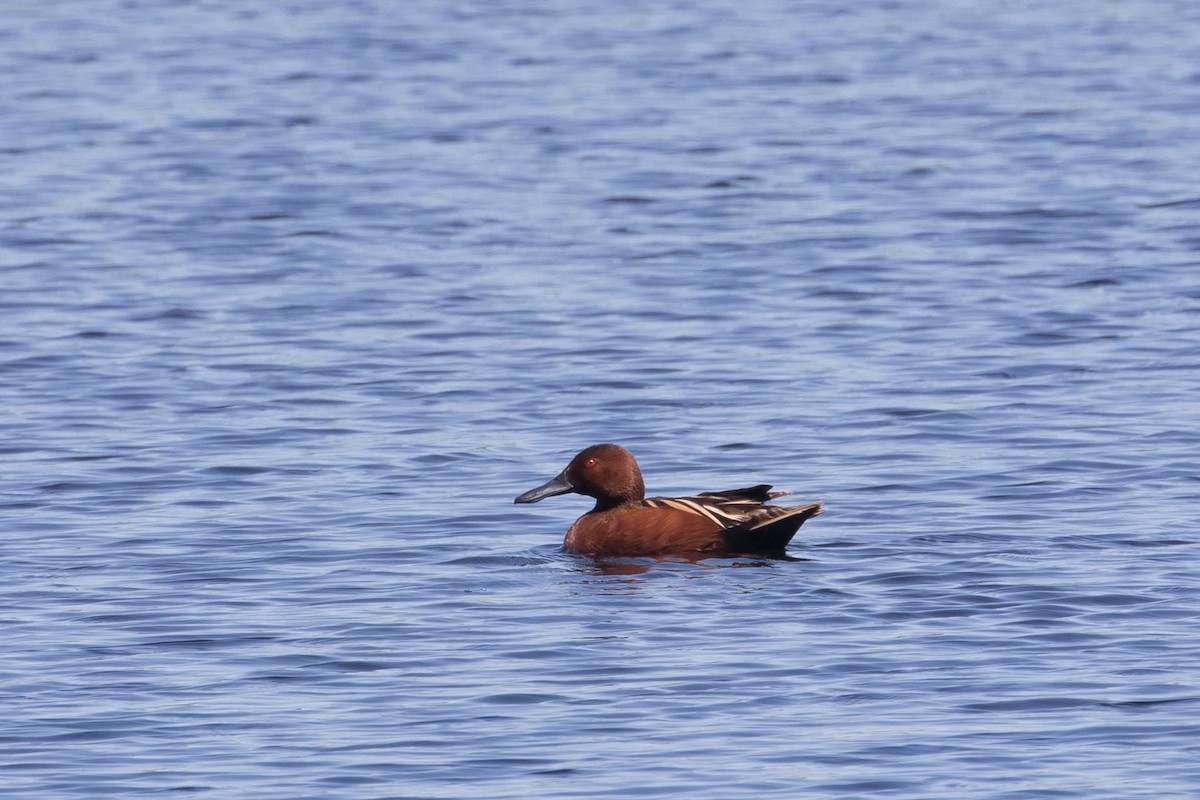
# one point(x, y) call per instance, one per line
point(625, 523)
point(640, 531)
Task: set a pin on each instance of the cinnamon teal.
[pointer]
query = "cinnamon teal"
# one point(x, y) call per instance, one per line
point(625, 522)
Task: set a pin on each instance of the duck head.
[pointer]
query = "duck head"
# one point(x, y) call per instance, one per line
point(607, 472)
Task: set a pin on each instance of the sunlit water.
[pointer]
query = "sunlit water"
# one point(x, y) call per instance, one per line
point(296, 297)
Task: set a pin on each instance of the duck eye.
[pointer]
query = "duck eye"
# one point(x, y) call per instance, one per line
point(591, 462)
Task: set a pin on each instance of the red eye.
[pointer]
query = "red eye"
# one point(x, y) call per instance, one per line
point(591, 462)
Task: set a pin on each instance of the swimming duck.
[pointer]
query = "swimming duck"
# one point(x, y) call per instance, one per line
point(625, 522)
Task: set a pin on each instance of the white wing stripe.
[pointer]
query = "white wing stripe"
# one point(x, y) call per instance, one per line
point(726, 514)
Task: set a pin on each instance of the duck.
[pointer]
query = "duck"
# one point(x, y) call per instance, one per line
point(624, 522)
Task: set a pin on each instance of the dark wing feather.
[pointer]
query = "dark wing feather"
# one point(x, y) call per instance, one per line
point(759, 494)
point(748, 525)
point(770, 530)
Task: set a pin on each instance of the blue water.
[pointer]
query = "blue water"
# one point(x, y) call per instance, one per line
point(296, 297)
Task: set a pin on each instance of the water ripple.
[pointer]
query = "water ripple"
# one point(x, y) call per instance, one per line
point(296, 299)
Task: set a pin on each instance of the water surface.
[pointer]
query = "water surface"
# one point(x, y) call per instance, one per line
point(296, 298)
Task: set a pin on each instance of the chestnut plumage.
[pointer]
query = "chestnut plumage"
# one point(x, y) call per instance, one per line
point(624, 522)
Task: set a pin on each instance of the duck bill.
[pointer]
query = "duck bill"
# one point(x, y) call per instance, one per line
point(556, 485)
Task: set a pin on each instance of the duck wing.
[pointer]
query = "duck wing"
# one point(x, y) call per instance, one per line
point(770, 528)
point(759, 494)
point(727, 509)
point(748, 526)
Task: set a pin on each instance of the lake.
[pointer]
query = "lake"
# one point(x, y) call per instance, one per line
point(295, 298)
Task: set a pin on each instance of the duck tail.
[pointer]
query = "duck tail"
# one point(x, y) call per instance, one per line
point(771, 531)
